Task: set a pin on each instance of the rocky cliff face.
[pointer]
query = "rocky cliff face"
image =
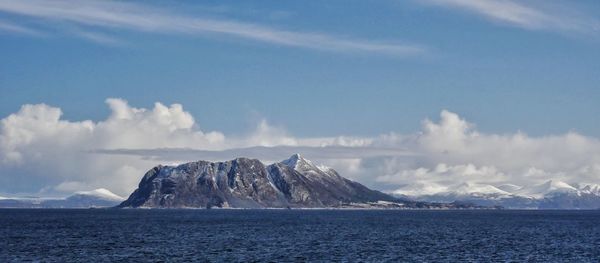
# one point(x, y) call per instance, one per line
point(248, 183)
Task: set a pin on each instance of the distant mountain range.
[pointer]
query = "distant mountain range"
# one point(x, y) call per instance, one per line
point(248, 183)
point(549, 195)
point(83, 199)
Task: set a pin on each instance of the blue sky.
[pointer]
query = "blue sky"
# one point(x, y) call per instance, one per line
point(507, 89)
point(503, 76)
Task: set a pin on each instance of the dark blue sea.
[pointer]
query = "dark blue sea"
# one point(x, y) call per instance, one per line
point(103, 235)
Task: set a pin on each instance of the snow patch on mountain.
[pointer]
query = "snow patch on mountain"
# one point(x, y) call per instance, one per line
point(418, 189)
point(511, 188)
point(591, 189)
point(101, 193)
point(297, 162)
point(547, 188)
point(471, 188)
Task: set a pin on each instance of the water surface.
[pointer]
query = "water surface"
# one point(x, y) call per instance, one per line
point(298, 235)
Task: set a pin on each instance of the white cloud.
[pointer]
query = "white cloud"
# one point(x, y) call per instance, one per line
point(111, 15)
point(532, 15)
point(452, 151)
point(454, 141)
point(443, 174)
point(37, 140)
point(70, 186)
point(268, 135)
point(97, 37)
point(40, 151)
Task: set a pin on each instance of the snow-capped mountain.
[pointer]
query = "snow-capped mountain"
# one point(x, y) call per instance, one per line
point(248, 183)
point(548, 195)
point(551, 187)
point(100, 193)
point(84, 199)
point(591, 189)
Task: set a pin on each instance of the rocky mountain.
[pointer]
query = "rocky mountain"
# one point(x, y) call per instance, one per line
point(84, 199)
point(248, 183)
point(548, 195)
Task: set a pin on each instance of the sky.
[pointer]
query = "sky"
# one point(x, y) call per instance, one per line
point(389, 93)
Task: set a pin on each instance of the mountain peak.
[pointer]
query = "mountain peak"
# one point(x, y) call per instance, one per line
point(555, 185)
point(295, 158)
point(297, 162)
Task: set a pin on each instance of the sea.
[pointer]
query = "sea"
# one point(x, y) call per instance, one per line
point(269, 235)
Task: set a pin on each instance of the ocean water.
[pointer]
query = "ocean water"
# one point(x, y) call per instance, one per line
point(102, 235)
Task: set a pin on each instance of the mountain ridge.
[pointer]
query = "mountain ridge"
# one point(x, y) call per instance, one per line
point(552, 194)
point(248, 183)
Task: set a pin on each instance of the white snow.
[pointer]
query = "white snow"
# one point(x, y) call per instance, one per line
point(325, 169)
point(511, 188)
point(459, 189)
point(549, 187)
point(472, 188)
point(101, 193)
point(591, 189)
point(418, 189)
point(297, 162)
point(536, 192)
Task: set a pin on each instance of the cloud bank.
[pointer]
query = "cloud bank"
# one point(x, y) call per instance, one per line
point(38, 148)
point(42, 153)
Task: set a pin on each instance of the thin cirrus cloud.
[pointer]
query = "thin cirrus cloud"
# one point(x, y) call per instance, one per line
point(98, 38)
point(107, 15)
point(18, 29)
point(526, 14)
